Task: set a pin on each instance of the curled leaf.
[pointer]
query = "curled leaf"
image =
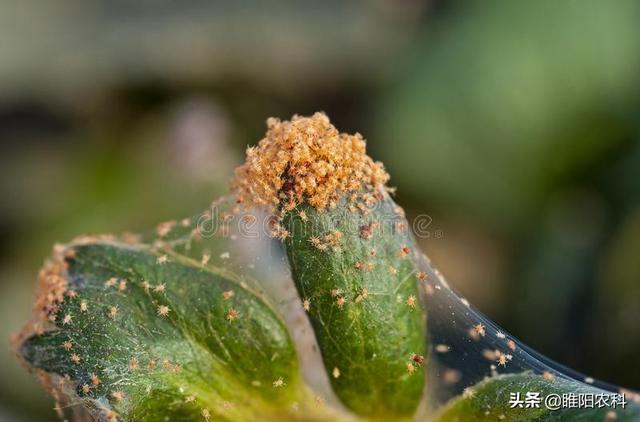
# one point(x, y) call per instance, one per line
point(136, 334)
point(355, 273)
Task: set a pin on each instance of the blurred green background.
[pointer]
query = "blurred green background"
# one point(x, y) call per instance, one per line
point(515, 125)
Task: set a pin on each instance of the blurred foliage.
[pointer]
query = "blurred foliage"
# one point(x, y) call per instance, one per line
point(507, 104)
point(513, 124)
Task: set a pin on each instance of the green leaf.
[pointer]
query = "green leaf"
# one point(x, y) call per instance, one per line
point(354, 271)
point(148, 339)
point(489, 401)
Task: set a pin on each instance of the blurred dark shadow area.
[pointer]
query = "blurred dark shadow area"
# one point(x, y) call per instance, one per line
point(514, 125)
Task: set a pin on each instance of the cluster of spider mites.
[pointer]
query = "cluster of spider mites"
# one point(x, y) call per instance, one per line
point(305, 160)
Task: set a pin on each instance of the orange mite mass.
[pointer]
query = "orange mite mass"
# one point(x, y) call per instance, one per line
point(305, 160)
